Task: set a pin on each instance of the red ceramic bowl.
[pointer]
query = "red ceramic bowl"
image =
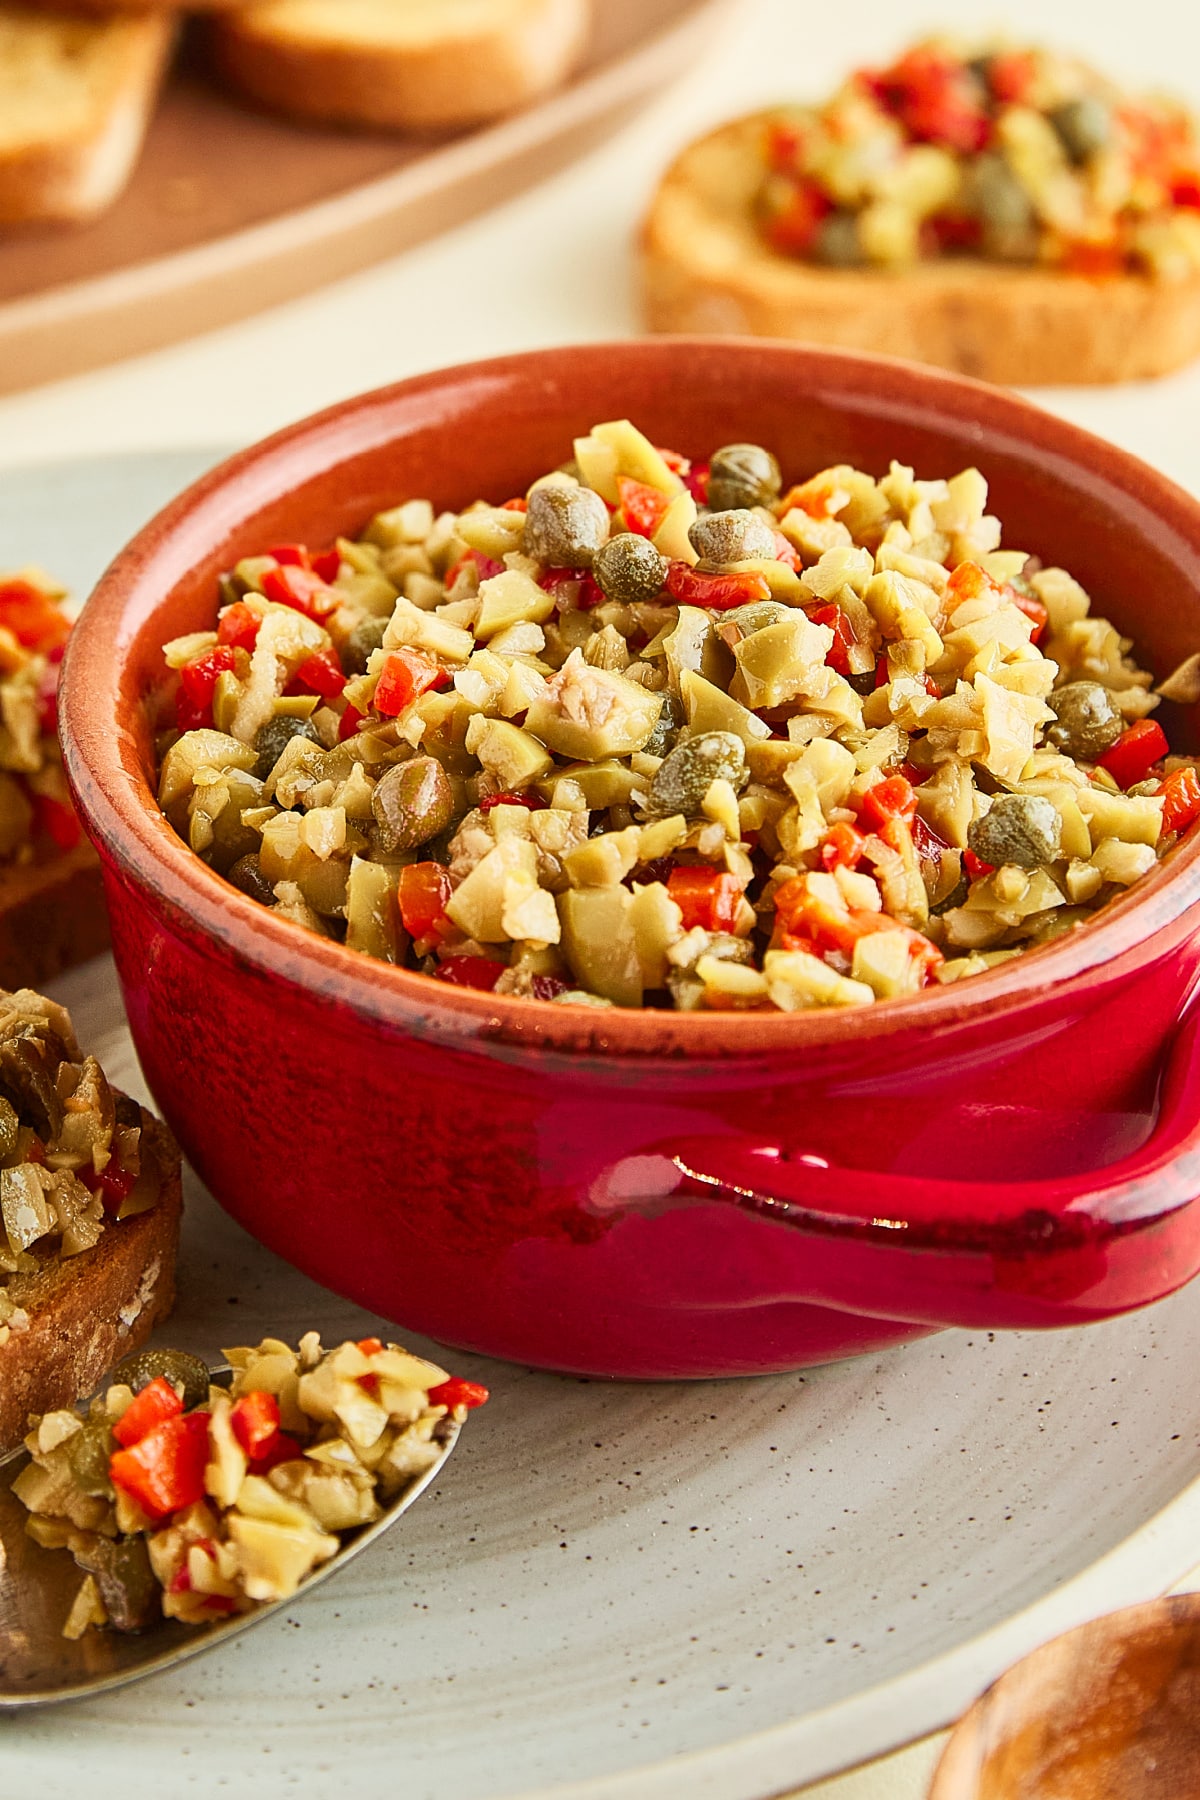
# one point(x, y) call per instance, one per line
point(650, 1193)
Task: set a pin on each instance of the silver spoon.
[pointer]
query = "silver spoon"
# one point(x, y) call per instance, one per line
point(39, 1667)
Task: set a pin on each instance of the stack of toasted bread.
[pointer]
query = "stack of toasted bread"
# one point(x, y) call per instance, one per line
point(79, 78)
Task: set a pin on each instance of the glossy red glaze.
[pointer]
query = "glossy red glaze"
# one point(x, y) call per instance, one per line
point(649, 1193)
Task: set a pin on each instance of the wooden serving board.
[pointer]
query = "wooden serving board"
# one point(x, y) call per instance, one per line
point(231, 210)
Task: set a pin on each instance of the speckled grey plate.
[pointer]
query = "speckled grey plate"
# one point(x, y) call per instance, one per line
point(637, 1592)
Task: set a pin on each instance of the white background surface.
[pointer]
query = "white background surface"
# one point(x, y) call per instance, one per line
point(554, 266)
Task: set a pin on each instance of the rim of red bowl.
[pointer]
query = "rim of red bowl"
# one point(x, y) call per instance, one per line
point(122, 813)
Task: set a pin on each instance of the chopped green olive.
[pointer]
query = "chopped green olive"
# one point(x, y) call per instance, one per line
point(839, 243)
point(88, 1454)
point(247, 875)
point(1084, 126)
point(742, 475)
point(131, 1595)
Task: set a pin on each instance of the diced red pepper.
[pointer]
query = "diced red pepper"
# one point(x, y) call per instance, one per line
point(48, 700)
point(326, 563)
point(351, 720)
point(156, 1402)
point(838, 655)
point(534, 802)
point(301, 589)
point(785, 143)
point(238, 626)
point(1033, 610)
point(321, 673)
point(935, 99)
point(114, 1186)
point(370, 1346)
point(457, 1392)
point(891, 798)
point(291, 556)
point(35, 620)
point(254, 1419)
point(1095, 261)
point(280, 1449)
point(696, 482)
point(968, 581)
point(947, 232)
point(1010, 74)
point(842, 847)
point(1135, 753)
point(405, 675)
point(707, 898)
point(165, 1470)
point(1181, 799)
point(57, 821)
point(422, 896)
point(787, 553)
point(521, 506)
point(975, 866)
point(644, 507)
point(470, 972)
point(197, 684)
point(793, 230)
point(715, 593)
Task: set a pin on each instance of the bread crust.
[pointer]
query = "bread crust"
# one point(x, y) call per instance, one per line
point(704, 268)
point(73, 174)
point(89, 1311)
point(446, 81)
point(52, 916)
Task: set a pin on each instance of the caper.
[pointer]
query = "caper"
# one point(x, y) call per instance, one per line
point(742, 475)
point(176, 1366)
point(630, 569)
point(247, 875)
point(88, 1453)
point(1084, 126)
point(273, 738)
point(734, 536)
point(565, 525)
point(839, 242)
point(131, 1595)
point(1019, 828)
point(1003, 208)
point(412, 803)
point(1089, 721)
point(681, 782)
point(662, 738)
point(359, 647)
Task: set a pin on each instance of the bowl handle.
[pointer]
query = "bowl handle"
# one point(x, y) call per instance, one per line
point(1060, 1251)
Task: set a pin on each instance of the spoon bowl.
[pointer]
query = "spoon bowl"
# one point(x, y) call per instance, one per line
point(1110, 1711)
point(39, 1667)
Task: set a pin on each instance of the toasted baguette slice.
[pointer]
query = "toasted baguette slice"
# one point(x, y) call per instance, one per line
point(706, 269)
point(87, 1312)
point(75, 98)
point(52, 916)
point(404, 65)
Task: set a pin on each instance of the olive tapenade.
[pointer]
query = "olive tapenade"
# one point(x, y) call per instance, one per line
point(671, 733)
point(189, 1500)
point(1014, 154)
